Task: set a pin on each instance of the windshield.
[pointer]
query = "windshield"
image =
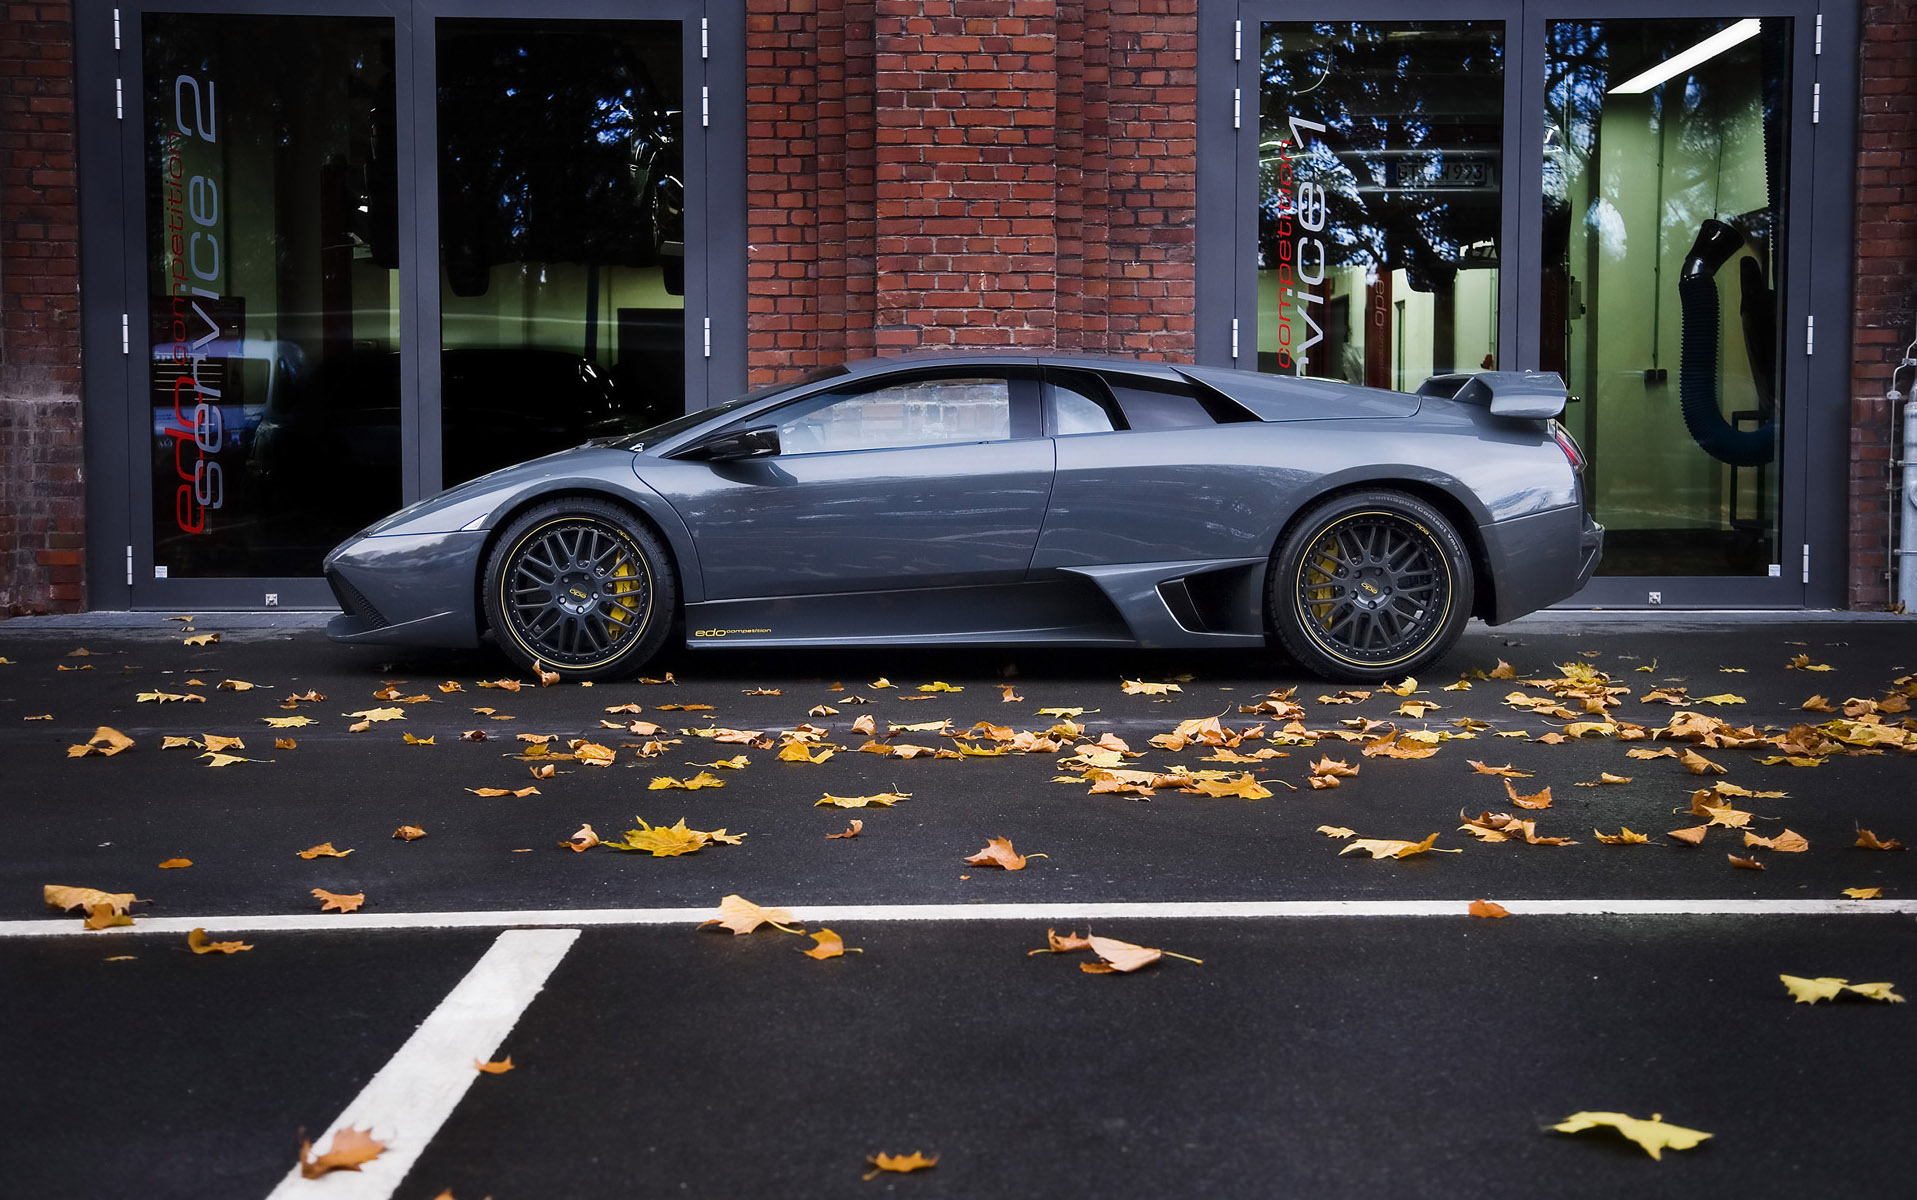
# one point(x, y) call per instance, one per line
point(678, 425)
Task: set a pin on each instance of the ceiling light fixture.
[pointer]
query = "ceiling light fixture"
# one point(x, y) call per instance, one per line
point(1683, 61)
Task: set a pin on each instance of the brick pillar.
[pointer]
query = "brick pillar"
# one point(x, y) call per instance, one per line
point(966, 249)
point(1151, 144)
point(1885, 316)
point(42, 507)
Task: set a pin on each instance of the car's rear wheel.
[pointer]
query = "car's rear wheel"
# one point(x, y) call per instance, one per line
point(579, 586)
point(1369, 586)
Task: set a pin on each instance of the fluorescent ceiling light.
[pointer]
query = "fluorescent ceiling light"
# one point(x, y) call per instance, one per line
point(1679, 63)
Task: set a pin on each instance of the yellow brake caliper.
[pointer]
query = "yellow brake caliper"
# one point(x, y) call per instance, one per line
point(620, 614)
point(1319, 595)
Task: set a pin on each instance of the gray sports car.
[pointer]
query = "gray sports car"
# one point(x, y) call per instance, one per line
point(990, 499)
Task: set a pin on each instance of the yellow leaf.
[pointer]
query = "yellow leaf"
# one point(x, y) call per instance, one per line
point(1786, 842)
point(1624, 837)
point(1534, 800)
point(173, 742)
point(324, 850)
point(1389, 848)
point(371, 715)
point(704, 779)
point(999, 853)
point(899, 1163)
point(494, 1068)
point(1721, 698)
point(66, 899)
point(737, 762)
point(1803, 663)
point(1747, 864)
point(1654, 1135)
point(197, 942)
point(1133, 687)
point(335, 902)
point(1415, 709)
point(939, 686)
point(585, 839)
point(1008, 694)
point(1578, 729)
point(1243, 786)
point(1336, 831)
point(174, 864)
point(800, 752)
point(1866, 840)
point(351, 1149)
point(741, 915)
point(106, 742)
point(1810, 991)
point(1697, 764)
point(668, 841)
point(286, 722)
point(1869, 893)
point(235, 685)
point(882, 799)
point(203, 639)
point(828, 945)
point(1691, 835)
point(1066, 713)
point(214, 759)
point(409, 833)
point(881, 682)
point(1506, 770)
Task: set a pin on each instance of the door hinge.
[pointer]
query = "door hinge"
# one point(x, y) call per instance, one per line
point(119, 101)
point(705, 37)
point(125, 344)
point(1817, 102)
point(705, 107)
point(1806, 562)
point(1810, 335)
point(1237, 108)
point(129, 564)
point(116, 28)
point(1237, 41)
point(1234, 339)
point(1817, 44)
point(708, 336)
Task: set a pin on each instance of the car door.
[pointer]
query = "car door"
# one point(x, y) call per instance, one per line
point(937, 478)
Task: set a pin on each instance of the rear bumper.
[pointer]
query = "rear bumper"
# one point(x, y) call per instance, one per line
point(1538, 560)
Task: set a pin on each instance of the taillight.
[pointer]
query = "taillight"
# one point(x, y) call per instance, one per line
point(1562, 437)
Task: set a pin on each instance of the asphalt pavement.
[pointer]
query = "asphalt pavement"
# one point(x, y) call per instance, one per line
point(1367, 1053)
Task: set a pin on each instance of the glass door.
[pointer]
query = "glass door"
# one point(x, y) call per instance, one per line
point(267, 213)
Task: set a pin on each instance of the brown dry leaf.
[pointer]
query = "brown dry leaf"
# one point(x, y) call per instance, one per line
point(741, 915)
point(1416, 709)
point(351, 1149)
point(1055, 944)
point(335, 902)
point(505, 685)
point(821, 710)
point(1803, 663)
point(1866, 840)
point(1660, 752)
point(66, 899)
point(1243, 786)
point(737, 762)
point(286, 722)
point(1008, 694)
point(498, 1067)
point(1134, 687)
point(865, 725)
point(1787, 842)
point(624, 708)
point(1336, 831)
point(323, 850)
point(1506, 770)
point(1653, 1135)
point(1116, 957)
point(1323, 782)
point(290, 701)
point(547, 771)
point(851, 830)
point(1624, 837)
point(546, 678)
point(1692, 835)
point(829, 945)
point(102, 916)
point(198, 943)
point(1748, 864)
point(1534, 800)
point(409, 833)
point(285, 744)
point(1390, 848)
point(1395, 745)
point(451, 686)
point(882, 799)
point(999, 853)
point(1333, 767)
point(1817, 704)
point(1487, 908)
point(585, 839)
point(106, 742)
point(898, 1163)
point(201, 639)
point(1697, 764)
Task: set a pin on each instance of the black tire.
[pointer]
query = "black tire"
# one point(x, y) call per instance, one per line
point(1370, 586)
point(579, 586)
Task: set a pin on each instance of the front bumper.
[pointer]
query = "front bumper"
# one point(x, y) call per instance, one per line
point(415, 589)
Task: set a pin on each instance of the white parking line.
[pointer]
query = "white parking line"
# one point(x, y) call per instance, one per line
point(413, 1094)
point(1070, 911)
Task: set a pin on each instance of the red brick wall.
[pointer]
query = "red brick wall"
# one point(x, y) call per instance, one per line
point(1885, 318)
point(41, 501)
point(968, 173)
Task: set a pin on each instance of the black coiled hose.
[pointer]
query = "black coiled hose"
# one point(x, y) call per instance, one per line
point(1697, 361)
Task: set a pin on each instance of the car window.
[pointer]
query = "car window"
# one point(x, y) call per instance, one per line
point(1153, 405)
point(923, 412)
point(1075, 412)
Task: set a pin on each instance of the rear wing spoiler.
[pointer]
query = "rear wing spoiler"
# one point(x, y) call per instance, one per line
point(1520, 395)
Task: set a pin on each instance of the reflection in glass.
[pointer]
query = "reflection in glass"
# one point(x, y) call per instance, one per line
point(268, 145)
point(1664, 240)
point(1380, 174)
point(562, 235)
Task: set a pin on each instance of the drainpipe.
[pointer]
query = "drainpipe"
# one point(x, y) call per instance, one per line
point(1904, 508)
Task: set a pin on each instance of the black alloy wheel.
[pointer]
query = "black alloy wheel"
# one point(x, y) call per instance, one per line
point(581, 587)
point(1370, 585)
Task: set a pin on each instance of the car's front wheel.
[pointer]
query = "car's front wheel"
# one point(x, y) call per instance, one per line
point(579, 586)
point(1370, 585)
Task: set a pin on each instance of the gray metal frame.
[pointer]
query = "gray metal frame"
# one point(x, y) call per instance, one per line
point(119, 504)
point(1818, 270)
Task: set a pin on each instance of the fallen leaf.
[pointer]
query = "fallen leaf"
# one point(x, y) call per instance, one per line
point(1786, 842)
point(1697, 764)
point(882, 799)
point(1008, 694)
point(851, 830)
point(1534, 800)
point(736, 763)
point(829, 945)
point(900, 1163)
point(585, 839)
point(1487, 908)
point(704, 779)
point(1869, 893)
point(1133, 687)
point(1624, 837)
point(418, 741)
point(1810, 991)
point(1506, 770)
point(1748, 864)
point(1720, 699)
point(1055, 944)
point(999, 853)
point(106, 742)
point(409, 833)
point(285, 744)
point(174, 864)
point(1867, 840)
point(499, 1067)
point(1336, 831)
point(324, 850)
point(202, 639)
point(507, 685)
point(198, 943)
point(1803, 663)
point(286, 722)
point(351, 1149)
point(1653, 1135)
point(880, 682)
point(939, 686)
point(335, 902)
point(741, 915)
point(66, 899)
point(1116, 957)
point(1390, 848)
point(373, 715)
point(670, 841)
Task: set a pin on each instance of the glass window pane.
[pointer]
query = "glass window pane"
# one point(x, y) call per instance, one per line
point(930, 412)
point(562, 235)
point(1380, 177)
point(1664, 248)
point(271, 254)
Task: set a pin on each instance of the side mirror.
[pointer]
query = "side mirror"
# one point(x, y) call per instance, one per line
point(740, 443)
